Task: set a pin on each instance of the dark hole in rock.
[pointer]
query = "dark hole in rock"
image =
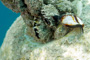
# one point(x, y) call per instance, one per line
point(46, 20)
point(24, 5)
point(37, 34)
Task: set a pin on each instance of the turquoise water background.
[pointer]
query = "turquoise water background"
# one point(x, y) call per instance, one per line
point(7, 17)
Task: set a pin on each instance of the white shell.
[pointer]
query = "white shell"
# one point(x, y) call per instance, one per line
point(79, 20)
point(71, 20)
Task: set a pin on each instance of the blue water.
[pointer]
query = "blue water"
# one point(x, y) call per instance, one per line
point(7, 17)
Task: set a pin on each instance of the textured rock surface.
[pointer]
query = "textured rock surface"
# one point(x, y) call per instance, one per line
point(20, 45)
point(38, 15)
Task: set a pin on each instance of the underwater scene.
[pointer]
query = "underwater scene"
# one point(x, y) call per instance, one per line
point(45, 30)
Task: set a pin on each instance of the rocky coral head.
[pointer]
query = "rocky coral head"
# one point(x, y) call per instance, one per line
point(41, 15)
point(45, 24)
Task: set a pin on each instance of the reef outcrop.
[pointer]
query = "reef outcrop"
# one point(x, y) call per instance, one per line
point(39, 35)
